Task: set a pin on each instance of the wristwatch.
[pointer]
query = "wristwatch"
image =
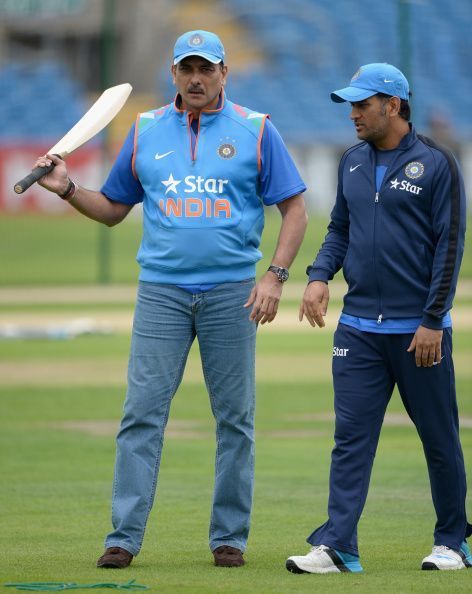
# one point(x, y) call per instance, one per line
point(281, 273)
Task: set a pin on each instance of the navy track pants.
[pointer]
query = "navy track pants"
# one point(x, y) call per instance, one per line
point(366, 367)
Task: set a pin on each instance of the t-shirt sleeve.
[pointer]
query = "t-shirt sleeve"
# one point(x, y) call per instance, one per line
point(121, 185)
point(279, 178)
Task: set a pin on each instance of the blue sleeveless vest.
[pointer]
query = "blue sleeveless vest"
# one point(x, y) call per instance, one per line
point(203, 216)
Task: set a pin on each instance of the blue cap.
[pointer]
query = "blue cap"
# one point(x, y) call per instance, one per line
point(372, 79)
point(199, 43)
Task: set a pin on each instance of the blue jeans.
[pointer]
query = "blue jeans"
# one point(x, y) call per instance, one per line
point(166, 321)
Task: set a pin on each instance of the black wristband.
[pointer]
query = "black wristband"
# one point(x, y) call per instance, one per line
point(70, 191)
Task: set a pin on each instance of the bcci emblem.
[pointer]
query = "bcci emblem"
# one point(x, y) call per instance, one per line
point(414, 170)
point(226, 151)
point(195, 40)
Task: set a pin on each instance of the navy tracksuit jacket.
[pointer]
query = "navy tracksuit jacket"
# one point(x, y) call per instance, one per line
point(400, 250)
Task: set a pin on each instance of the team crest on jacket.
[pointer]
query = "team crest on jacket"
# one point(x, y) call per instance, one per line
point(226, 151)
point(414, 170)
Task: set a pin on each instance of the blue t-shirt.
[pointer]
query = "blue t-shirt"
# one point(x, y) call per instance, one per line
point(383, 162)
point(388, 326)
point(279, 178)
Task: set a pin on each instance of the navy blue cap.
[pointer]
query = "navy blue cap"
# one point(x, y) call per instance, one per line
point(372, 79)
point(199, 43)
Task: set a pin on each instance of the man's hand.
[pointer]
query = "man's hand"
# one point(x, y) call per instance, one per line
point(314, 304)
point(265, 298)
point(57, 180)
point(427, 346)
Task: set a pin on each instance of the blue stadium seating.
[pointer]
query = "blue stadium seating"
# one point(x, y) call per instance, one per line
point(310, 48)
point(38, 101)
point(313, 48)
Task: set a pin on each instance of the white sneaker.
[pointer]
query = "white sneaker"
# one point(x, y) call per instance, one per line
point(323, 559)
point(443, 557)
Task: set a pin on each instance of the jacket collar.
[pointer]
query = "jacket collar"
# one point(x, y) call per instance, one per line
point(206, 115)
point(406, 142)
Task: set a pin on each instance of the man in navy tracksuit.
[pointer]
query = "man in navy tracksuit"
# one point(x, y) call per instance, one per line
point(397, 230)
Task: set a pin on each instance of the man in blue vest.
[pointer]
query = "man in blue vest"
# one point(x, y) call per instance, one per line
point(204, 168)
point(397, 230)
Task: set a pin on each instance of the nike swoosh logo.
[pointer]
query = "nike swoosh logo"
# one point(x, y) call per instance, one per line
point(351, 169)
point(158, 156)
point(437, 362)
point(387, 81)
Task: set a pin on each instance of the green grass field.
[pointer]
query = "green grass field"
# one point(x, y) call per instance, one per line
point(60, 404)
point(62, 250)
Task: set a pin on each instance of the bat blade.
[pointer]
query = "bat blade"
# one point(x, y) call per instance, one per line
point(97, 117)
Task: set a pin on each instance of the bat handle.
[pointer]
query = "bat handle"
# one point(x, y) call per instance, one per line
point(32, 177)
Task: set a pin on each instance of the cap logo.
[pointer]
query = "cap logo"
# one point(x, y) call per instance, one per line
point(356, 75)
point(226, 151)
point(414, 170)
point(196, 40)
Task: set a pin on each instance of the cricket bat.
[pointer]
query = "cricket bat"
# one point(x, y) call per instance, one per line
point(97, 117)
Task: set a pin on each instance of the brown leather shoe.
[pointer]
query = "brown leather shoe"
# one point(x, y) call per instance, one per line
point(226, 556)
point(115, 558)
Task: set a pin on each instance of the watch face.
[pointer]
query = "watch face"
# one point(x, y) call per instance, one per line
point(282, 275)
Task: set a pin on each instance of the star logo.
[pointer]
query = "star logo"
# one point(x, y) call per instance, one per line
point(395, 183)
point(171, 184)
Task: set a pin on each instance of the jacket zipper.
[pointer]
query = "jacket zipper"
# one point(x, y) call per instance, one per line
point(374, 262)
point(193, 152)
point(376, 205)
